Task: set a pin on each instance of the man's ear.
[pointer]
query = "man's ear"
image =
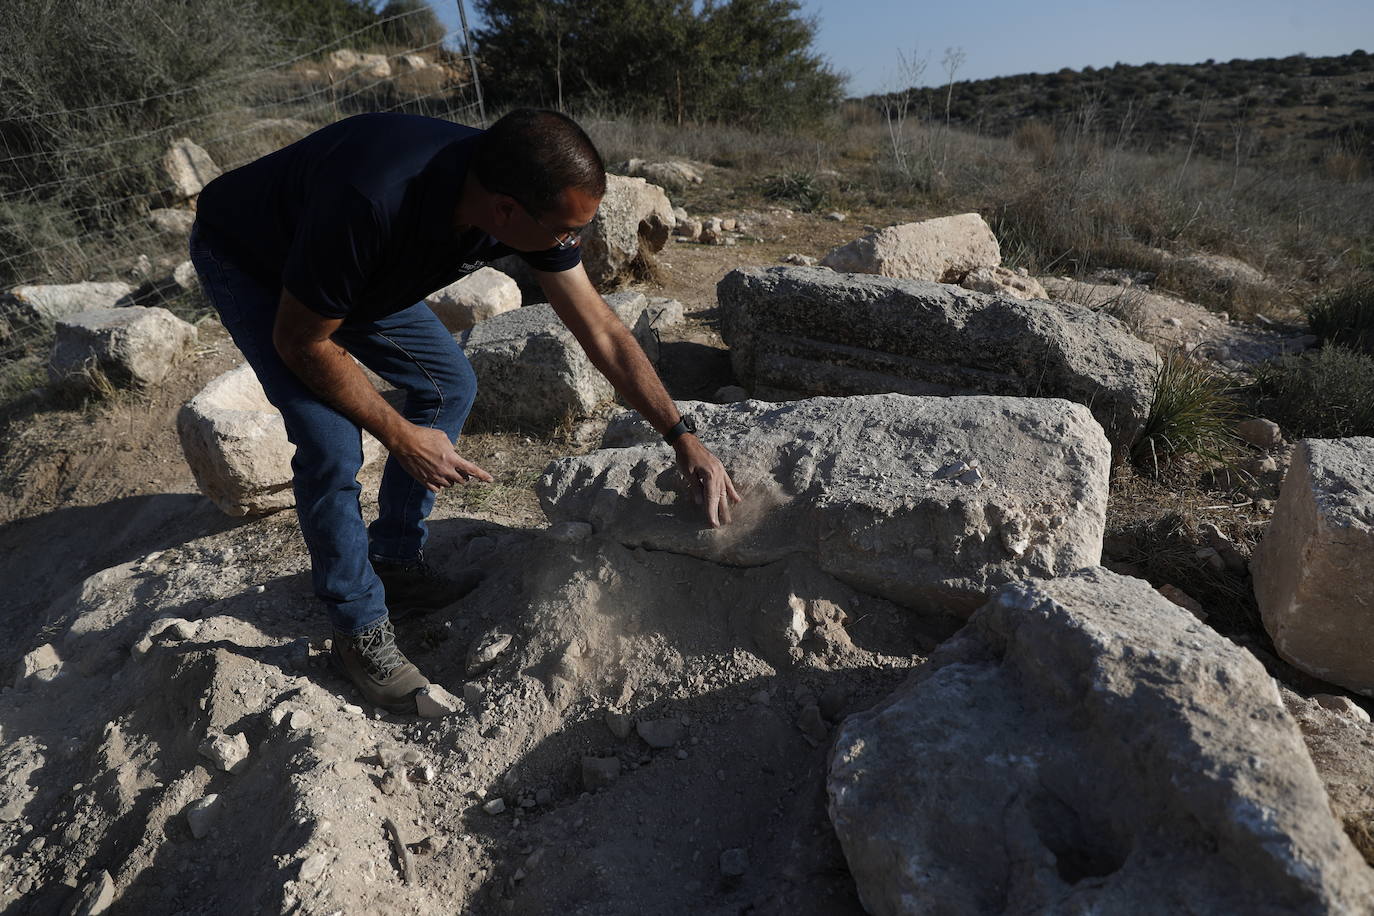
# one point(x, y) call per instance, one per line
point(503, 208)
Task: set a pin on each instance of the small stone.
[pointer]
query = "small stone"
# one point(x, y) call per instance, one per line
point(618, 723)
point(393, 783)
point(474, 694)
point(312, 868)
point(495, 806)
point(599, 772)
point(972, 475)
point(681, 754)
point(835, 217)
point(202, 814)
point(1260, 433)
point(299, 720)
point(96, 896)
point(486, 649)
point(660, 733)
point(728, 224)
point(42, 664)
point(953, 469)
point(1342, 705)
point(433, 702)
point(412, 757)
point(426, 774)
point(184, 629)
point(734, 863)
point(800, 260)
point(228, 752)
point(351, 709)
point(570, 532)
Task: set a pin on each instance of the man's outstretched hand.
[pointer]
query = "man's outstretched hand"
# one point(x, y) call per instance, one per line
point(706, 477)
point(429, 457)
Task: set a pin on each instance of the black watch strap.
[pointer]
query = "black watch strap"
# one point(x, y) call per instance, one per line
point(685, 425)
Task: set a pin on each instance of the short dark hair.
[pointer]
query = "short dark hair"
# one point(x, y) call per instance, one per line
point(534, 155)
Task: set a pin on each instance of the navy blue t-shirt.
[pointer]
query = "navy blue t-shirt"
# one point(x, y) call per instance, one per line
point(357, 219)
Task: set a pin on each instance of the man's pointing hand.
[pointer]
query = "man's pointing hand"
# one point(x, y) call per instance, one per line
point(429, 457)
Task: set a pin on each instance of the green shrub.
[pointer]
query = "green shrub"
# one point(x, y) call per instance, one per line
point(1194, 412)
point(1328, 393)
point(800, 188)
point(1345, 315)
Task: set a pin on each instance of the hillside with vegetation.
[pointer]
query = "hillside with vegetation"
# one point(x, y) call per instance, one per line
point(1320, 109)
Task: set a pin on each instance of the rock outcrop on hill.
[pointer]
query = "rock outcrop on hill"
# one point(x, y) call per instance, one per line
point(1084, 745)
point(802, 331)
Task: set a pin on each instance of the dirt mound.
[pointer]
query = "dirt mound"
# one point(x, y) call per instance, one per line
point(709, 690)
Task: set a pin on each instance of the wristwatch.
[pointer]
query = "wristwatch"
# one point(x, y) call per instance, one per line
point(685, 425)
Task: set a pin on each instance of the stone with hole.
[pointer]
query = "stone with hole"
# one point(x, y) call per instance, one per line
point(1084, 745)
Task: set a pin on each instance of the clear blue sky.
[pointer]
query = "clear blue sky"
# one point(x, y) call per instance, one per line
point(1004, 37)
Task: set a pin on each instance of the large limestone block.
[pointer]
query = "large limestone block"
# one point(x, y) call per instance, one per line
point(235, 443)
point(943, 249)
point(532, 373)
point(1314, 570)
point(929, 502)
point(133, 346)
point(476, 297)
point(25, 305)
point(803, 331)
point(633, 213)
point(1085, 746)
point(189, 168)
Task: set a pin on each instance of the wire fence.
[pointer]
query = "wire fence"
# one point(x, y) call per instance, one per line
point(70, 228)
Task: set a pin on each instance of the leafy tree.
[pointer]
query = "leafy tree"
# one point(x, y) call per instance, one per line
point(748, 61)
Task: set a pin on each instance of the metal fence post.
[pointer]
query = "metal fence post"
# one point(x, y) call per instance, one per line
point(472, 62)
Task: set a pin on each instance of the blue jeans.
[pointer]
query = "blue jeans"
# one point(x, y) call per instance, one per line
point(412, 350)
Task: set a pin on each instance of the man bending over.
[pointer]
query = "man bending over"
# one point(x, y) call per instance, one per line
point(322, 252)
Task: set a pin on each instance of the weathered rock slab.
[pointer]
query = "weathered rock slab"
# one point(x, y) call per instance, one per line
point(1085, 746)
point(235, 443)
point(802, 331)
point(532, 373)
point(943, 249)
point(25, 305)
point(929, 502)
point(476, 297)
point(133, 346)
point(1314, 570)
point(633, 214)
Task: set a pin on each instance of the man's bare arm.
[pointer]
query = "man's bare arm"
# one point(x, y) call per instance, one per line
point(618, 356)
point(303, 339)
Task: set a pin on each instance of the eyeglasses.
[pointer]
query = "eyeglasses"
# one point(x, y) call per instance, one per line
point(564, 239)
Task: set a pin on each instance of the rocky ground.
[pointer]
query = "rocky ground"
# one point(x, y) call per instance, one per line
point(633, 747)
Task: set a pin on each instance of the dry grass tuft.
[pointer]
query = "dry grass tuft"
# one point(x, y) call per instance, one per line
point(1194, 413)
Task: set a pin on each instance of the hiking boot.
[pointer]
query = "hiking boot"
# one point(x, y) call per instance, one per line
point(372, 661)
point(416, 586)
